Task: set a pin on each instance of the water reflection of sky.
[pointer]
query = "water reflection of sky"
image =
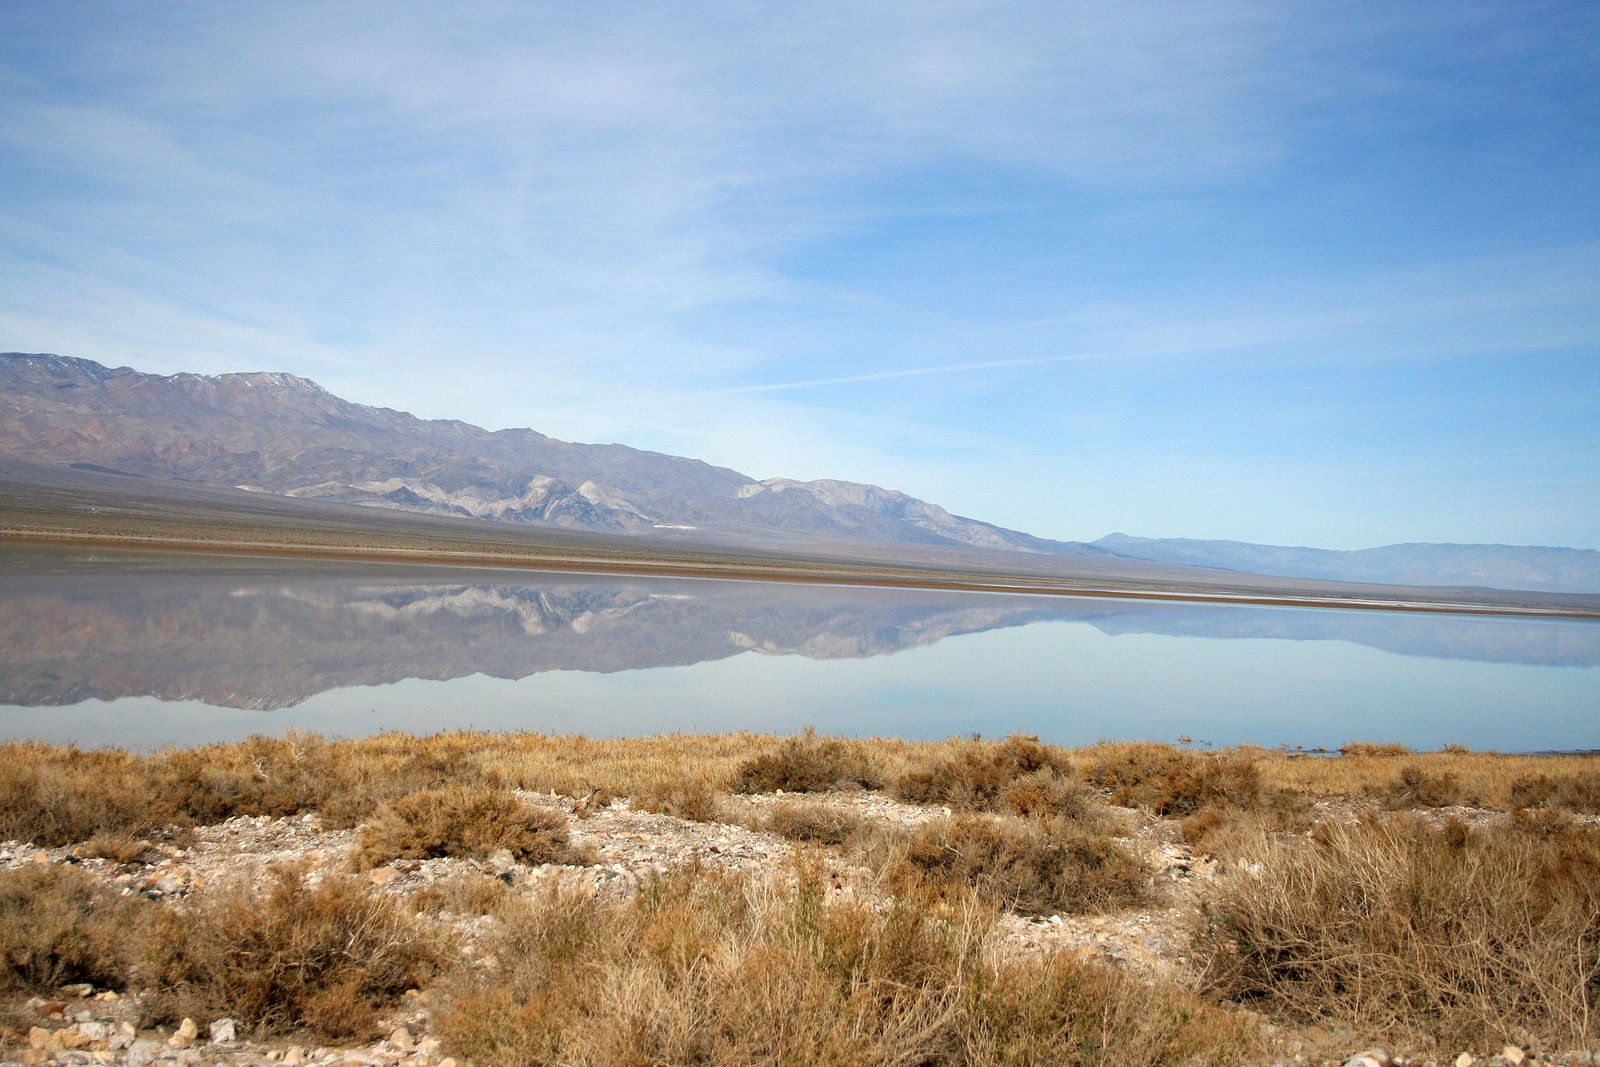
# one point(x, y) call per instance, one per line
point(910, 665)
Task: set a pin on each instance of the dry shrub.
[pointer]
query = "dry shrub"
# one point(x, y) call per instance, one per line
point(54, 795)
point(1032, 867)
point(1057, 1010)
point(1447, 937)
point(466, 821)
point(682, 799)
point(1018, 776)
point(1575, 793)
point(116, 847)
point(1170, 781)
point(326, 958)
point(60, 925)
point(1369, 750)
point(808, 763)
point(814, 822)
point(1414, 787)
point(465, 894)
point(1205, 825)
point(703, 968)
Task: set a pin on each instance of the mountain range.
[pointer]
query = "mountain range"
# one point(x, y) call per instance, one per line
point(281, 434)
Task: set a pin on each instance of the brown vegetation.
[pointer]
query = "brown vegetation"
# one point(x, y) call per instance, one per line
point(466, 821)
point(815, 822)
point(60, 925)
point(1406, 928)
point(701, 968)
point(682, 799)
point(1444, 936)
point(1017, 776)
point(323, 958)
point(1027, 866)
point(807, 764)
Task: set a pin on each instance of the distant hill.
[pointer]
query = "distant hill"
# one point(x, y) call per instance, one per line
point(285, 435)
point(1549, 570)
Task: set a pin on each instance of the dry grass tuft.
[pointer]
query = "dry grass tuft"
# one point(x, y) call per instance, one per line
point(1016, 776)
point(682, 799)
point(1029, 866)
point(1369, 750)
point(807, 763)
point(815, 823)
point(60, 925)
point(116, 847)
point(707, 968)
point(1575, 793)
point(55, 795)
point(1415, 787)
point(1444, 936)
point(465, 821)
point(1170, 781)
point(295, 957)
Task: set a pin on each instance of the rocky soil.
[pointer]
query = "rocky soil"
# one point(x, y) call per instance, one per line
point(80, 1026)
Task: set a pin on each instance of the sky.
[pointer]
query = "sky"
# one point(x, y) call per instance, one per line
point(1298, 273)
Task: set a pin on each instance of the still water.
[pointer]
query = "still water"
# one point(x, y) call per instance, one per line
point(145, 650)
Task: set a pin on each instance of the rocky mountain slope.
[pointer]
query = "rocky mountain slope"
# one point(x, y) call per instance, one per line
point(283, 434)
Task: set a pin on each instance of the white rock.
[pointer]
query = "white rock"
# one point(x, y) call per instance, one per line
point(223, 1031)
point(401, 1039)
point(1465, 1060)
point(187, 1031)
point(1514, 1055)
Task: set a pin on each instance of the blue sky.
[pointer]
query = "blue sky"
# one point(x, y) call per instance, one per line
point(1299, 273)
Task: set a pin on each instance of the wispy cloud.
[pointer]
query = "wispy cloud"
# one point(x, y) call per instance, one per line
point(768, 232)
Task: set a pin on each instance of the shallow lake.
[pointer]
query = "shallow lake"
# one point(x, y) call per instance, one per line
point(146, 649)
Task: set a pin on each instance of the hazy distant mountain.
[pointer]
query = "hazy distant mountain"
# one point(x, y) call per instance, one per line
point(1551, 570)
point(283, 434)
point(280, 434)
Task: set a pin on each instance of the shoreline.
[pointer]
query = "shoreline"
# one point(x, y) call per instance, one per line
point(813, 573)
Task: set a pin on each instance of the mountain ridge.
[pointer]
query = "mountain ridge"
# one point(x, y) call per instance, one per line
point(279, 433)
point(1530, 567)
point(287, 435)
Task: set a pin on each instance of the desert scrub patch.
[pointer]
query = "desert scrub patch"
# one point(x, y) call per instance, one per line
point(1017, 776)
point(814, 822)
point(326, 958)
point(1170, 781)
point(1028, 866)
point(707, 967)
point(55, 795)
point(1445, 936)
point(467, 822)
point(60, 925)
point(1415, 787)
point(808, 763)
point(1572, 792)
point(681, 798)
point(1372, 750)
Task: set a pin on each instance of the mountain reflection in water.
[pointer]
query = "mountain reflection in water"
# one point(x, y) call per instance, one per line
point(266, 635)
